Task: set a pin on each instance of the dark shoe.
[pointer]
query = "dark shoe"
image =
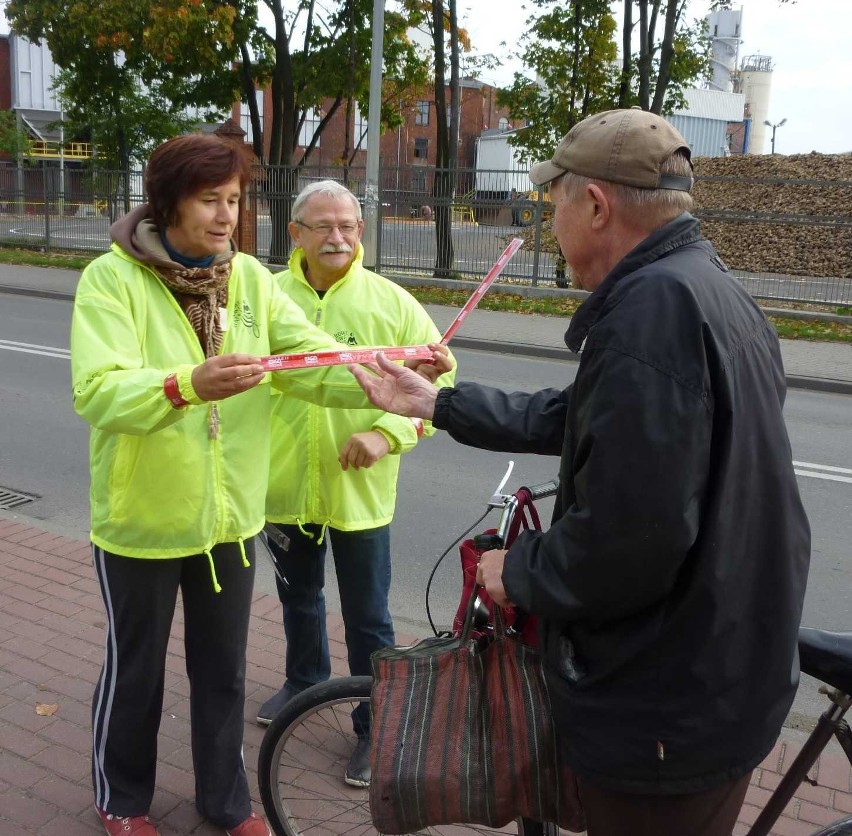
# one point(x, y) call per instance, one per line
point(272, 707)
point(126, 825)
point(358, 769)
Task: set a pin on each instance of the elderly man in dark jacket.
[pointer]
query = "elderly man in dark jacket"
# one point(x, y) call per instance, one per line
point(670, 584)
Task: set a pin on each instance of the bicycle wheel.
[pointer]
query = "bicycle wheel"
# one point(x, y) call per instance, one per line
point(842, 827)
point(302, 759)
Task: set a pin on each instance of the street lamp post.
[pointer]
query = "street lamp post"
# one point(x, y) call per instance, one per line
point(774, 128)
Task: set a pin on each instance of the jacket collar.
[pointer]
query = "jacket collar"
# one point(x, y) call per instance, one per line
point(684, 229)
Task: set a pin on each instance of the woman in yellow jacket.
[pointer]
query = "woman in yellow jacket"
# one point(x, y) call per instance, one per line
point(167, 335)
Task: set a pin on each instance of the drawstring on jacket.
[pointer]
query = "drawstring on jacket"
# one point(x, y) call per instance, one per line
point(310, 535)
point(246, 563)
point(216, 587)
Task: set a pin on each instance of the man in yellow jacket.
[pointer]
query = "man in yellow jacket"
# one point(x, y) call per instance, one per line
point(333, 472)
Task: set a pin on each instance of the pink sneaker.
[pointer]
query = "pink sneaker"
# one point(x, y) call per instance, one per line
point(126, 825)
point(254, 825)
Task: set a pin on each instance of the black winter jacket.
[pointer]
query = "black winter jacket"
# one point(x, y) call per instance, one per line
point(670, 583)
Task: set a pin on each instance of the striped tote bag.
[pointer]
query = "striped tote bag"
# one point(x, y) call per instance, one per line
point(462, 733)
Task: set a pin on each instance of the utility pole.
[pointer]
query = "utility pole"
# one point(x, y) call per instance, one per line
point(372, 209)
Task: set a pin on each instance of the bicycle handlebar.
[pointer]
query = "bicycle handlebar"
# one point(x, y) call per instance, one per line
point(545, 489)
point(510, 504)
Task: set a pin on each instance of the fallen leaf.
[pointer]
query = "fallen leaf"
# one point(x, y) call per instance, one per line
point(44, 710)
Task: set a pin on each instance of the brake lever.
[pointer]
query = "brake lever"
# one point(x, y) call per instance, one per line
point(498, 498)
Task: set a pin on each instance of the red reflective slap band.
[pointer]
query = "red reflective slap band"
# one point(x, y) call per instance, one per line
point(477, 294)
point(283, 362)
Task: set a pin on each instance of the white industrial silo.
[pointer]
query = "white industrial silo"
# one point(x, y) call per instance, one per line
point(755, 82)
point(724, 28)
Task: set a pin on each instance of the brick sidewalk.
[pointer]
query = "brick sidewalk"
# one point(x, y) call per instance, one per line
point(51, 647)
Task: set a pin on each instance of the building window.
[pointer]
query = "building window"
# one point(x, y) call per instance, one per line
point(309, 127)
point(421, 113)
point(360, 130)
point(245, 116)
point(503, 124)
point(421, 148)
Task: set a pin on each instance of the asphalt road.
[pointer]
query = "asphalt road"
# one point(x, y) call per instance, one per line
point(444, 486)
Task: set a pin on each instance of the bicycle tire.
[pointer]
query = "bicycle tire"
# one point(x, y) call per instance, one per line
point(842, 827)
point(301, 763)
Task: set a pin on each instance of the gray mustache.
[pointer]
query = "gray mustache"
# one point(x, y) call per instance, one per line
point(335, 248)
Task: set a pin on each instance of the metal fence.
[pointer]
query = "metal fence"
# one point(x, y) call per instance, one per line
point(71, 208)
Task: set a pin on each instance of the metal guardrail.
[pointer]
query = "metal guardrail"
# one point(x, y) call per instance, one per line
point(46, 149)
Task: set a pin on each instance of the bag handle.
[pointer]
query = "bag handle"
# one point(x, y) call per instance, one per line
point(525, 508)
point(467, 626)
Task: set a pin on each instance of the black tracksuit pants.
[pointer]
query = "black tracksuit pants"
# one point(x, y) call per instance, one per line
point(139, 597)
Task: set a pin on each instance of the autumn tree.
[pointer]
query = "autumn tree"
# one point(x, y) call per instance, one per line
point(318, 61)
point(131, 75)
point(570, 50)
point(667, 61)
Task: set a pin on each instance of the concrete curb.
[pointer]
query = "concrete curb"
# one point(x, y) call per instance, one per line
point(59, 295)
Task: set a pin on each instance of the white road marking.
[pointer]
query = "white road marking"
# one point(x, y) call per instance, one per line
point(29, 348)
point(828, 471)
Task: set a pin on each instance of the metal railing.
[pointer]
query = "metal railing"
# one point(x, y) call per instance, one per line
point(71, 208)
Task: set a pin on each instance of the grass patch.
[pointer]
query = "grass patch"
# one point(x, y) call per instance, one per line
point(67, 260)
point(788, 329)
point(824, 332)
point(513, 303)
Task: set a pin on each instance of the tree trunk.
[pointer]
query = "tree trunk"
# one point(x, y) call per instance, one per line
point(627, 55)
point(673, 12)
point(247, 77)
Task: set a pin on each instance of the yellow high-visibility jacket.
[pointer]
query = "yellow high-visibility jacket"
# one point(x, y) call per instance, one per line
point(306, 483)
point(160, 485)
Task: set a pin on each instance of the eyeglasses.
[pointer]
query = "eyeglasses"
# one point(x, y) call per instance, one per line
point(325, 230)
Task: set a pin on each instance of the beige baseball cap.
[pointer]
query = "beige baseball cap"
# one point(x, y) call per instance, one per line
point(618, 146)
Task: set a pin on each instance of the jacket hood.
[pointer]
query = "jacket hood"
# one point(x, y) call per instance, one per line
point(137, 234)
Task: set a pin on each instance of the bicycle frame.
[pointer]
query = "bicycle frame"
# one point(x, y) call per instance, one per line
point(817, 660)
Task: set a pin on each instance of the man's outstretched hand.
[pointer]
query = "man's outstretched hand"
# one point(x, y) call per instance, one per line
point(394, 388)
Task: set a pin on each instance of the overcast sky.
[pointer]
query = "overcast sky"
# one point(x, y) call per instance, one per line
point(809, 43)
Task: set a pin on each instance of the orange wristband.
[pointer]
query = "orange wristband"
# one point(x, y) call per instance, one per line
point(170, 388)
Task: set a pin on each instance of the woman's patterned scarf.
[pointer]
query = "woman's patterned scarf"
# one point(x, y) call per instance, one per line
point(201, 292)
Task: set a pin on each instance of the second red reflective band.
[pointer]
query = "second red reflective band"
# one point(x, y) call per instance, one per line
point(282, 362)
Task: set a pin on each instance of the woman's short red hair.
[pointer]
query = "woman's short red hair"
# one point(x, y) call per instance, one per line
point(186, 165)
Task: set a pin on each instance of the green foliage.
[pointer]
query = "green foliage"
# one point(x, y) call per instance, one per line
point(129, 71)
point(570, 50)
point(13, 141)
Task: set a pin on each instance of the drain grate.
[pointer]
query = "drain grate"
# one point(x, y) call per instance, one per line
point(14, 499)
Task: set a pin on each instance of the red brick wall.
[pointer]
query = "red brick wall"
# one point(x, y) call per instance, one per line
point(479, 112)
